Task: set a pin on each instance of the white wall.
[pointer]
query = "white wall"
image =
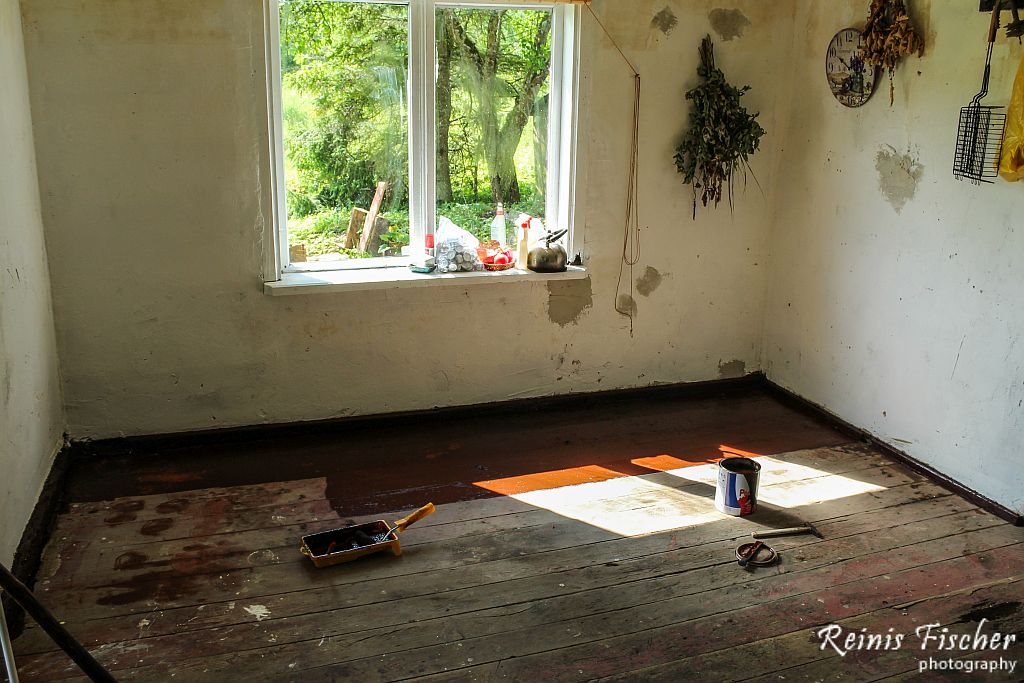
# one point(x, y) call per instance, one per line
point(905, 321)
point(152, 157)
point(31, 418)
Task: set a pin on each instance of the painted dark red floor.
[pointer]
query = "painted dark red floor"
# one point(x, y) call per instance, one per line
point(381, 465)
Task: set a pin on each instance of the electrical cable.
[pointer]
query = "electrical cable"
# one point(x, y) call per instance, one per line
point(631, 231)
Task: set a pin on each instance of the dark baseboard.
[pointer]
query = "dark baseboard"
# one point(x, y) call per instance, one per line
point(29, 553)
point(200, 438)
point(939, 478)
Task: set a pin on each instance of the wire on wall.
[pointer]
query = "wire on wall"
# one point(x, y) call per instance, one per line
point(626, 304)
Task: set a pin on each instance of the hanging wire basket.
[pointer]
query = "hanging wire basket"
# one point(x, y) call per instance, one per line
point(979, 136)
point(978, 142)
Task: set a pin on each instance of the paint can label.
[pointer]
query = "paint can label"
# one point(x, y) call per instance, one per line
point(737, 490)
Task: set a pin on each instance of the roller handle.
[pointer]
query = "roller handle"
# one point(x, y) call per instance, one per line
point(401, 524)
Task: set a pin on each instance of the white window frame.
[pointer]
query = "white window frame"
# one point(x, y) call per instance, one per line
point(564, 79)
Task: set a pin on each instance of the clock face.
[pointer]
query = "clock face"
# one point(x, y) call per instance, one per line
point(851, 79)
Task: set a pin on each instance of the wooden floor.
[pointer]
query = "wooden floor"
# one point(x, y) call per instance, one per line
point(588, 550)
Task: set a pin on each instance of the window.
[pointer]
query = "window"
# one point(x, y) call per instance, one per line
point(387, 117)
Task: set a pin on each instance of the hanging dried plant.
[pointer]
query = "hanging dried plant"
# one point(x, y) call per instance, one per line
point(889, 37)
point(722, 134)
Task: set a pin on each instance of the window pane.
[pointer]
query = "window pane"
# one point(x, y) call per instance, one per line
point(492, 115)
point(344, 70)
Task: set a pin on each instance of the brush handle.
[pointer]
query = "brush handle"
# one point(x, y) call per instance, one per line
point(401, 524)
point(745, 558)
point(791, 531)
point(993, 27)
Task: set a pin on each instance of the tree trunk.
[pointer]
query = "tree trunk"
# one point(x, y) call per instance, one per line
point(444, 109)
point(505, 183)
point(540, 145)
point(500, 139)
point(504, 179)
point(489, 111)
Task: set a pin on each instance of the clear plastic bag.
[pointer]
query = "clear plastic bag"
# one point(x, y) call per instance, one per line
point(456, 248)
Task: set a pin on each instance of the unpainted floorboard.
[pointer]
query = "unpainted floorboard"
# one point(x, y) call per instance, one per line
point(524, 574)
point(197, 577)
point(107, 550)
point(194, 579)
point(846, 536)
point(867, 535)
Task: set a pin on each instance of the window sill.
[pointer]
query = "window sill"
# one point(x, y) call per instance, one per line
point(402, 278)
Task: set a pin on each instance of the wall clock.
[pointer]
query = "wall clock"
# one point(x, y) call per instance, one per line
point(851, 79)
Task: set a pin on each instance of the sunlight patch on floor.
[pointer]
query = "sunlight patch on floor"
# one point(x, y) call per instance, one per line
point(640, 504)
point(625, 505)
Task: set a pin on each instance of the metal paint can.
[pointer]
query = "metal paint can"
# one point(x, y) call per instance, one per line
point(737, 486)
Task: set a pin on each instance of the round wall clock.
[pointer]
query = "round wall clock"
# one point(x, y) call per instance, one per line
point(851, 79)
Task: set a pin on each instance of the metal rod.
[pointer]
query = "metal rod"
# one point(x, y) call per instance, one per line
point(8, 648)
point(23, 596)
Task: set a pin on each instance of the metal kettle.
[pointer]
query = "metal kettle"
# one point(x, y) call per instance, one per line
point(549, 258)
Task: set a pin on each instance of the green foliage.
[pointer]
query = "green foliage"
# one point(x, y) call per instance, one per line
point(722, 134)
point(344, 72)
point(397, 235)
point(324, 233)
point(343, 86)
point(491, 57)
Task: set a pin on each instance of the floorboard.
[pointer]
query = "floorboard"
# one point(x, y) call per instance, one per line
point(600, 558)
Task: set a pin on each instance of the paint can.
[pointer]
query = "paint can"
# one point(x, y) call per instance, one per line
point(737, 486)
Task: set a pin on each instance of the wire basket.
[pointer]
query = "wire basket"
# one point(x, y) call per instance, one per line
point(979, 140)
point(979, 137)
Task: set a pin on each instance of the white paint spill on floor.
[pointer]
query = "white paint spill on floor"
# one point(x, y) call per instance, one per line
point(259, 611)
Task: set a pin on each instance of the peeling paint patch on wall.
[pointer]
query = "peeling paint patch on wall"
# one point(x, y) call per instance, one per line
point(665, 21)
point(648, 282)
point(626, 304)
point(898, 176)
point(728, 23)
point(734, 368)
point(567, 299)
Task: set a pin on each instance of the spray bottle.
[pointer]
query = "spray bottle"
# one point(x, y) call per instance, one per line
point(524, 223)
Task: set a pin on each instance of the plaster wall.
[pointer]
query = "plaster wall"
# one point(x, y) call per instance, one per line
point(895, 292)
point(151, 142)
point(31, 416)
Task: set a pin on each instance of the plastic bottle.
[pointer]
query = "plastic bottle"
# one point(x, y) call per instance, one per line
point(498, 226)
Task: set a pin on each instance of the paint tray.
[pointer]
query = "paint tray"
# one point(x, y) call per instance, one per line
point(336, 546)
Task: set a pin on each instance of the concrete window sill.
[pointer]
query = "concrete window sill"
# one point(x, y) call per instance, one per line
point(402, 278)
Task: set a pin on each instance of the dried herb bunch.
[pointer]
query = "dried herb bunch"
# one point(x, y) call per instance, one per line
point(722, 134)
point(889, 37)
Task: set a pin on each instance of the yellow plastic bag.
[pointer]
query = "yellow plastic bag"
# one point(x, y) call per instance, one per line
point(1011, 158)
